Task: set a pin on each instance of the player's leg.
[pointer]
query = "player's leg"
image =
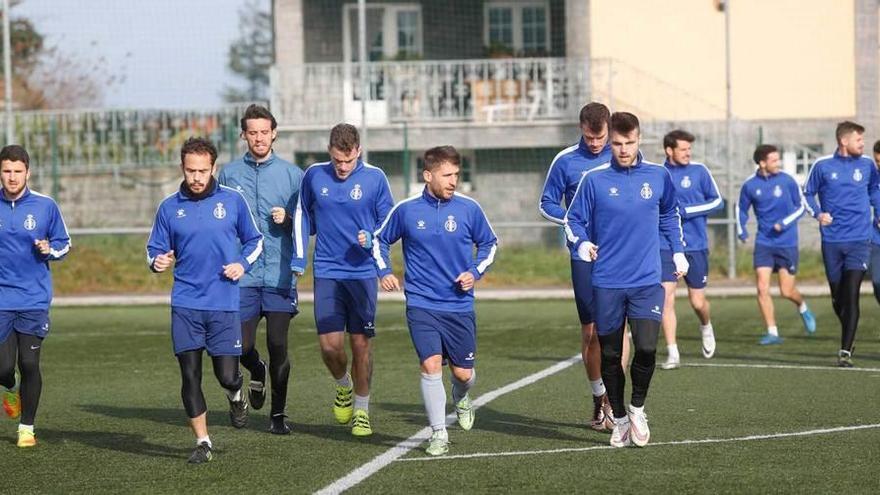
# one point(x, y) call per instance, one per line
point(857, 255)
point(591, 355)
point(29, 347)
point(670, 320)
point(644, 322)
point(250, 314)
point(222, 341)
point(194, 403)
point(697, 278)
point(610, 323)
point(361, 311)
point(8, 359)
point(788, 289)
point(833, 259)
point(875, 270)
point(458, 334)
point(330, 321)
point(765, 304)
point(277, 331)
point(423, 331)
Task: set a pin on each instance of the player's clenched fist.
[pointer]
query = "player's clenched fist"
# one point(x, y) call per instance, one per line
point(233, 271)
point(390, 283)
point(42, 245)
point(163, 261)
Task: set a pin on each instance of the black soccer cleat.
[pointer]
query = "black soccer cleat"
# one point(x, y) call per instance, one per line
point(278, 425)
point(201, 454)
point(238, 412)
point(257, 389)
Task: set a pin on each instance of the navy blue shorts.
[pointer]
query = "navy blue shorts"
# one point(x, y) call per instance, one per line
point(582, 282)
point(875, 264)
point(776, 258)
point(448, 334)
point(842, 256)
point(614, 306)
point(698, 272)
point(32, 322)
point(219, 332)
point(257, 301)
point(346, 305)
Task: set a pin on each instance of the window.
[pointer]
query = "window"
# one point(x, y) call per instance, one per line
point(394, 31)
point(407, 33)
point(517, 27)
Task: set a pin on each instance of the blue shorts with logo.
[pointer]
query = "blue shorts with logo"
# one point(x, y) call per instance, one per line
point(777, 258)
point(452, 335)
point(346, 305)
point(255, 302)
point(698, 272)
point(842, 256)
point(582, 283)
point(219, 332)
point(615, 306)
point(31, 322)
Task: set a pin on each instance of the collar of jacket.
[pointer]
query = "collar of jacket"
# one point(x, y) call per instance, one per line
point(636, 165)
point(250, 160)
point(582, 147)
point(185, 193)
point(433, 201)
point(26, 193)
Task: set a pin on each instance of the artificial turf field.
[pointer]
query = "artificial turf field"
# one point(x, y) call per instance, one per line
point(111, 420)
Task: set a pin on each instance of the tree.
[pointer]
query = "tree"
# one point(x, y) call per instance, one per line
point(251, 54)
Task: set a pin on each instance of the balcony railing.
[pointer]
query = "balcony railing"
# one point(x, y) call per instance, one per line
point(475, 91)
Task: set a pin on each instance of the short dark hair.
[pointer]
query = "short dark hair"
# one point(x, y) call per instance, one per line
point(255, 111)
point(877, 146)
point(671, 139)
point(624, 122)
point(594, 116)
point(198, 146)
point(762, 152)
point(847, 127)
point(441, 154)
point(344, 137)
point(16, 153)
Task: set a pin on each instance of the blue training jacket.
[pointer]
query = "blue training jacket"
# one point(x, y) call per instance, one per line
point(438, 245)
point(624, 210)
point(847, 187)
point(777, 199)
point(563, 177)
point(698, 196)
point(25, 279)
point(205, 233)
point(274, 182)
point(335, 211)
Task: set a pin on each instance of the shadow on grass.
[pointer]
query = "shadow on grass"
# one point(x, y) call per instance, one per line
point(165, 416)
point(130, 443)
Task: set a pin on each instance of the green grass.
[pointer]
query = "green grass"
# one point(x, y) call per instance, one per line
point(111, 420)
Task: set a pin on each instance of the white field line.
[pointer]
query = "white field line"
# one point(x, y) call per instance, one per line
point(392, 454)
point(777, 367)
point(749, 438)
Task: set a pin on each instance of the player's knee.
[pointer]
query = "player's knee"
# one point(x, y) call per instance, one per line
point(432, 365)
point(230, 380)
point(462, 374)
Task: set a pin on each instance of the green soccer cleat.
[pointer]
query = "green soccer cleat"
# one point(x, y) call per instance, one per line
point(465, 412)
point(201, 454)
point(438, 444)
point(343, 408)
point(360, 424)
point(12, 404)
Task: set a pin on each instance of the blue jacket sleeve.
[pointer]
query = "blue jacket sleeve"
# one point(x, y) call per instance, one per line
point(797, 202)
point(811, 188)
point(874, 194)
point(384, 204)
point(711, 194)
point(550, 205)
point(387, 234)
point(160, 238)
point(248, 234)
point(485, 240)
point(742, 213)
point(302, 227)
point(579, 214)
point(670, 221)
point(59, 239)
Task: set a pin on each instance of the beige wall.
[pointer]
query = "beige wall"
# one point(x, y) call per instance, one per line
point(790, 58)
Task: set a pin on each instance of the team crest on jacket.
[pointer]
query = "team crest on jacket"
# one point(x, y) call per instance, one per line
point(450, 224)
point(857, 175)
point(420, 225)
point(356, 193)
point(30, 223)
point(181, 213)
point(777, 191)
point(686, 182)
point(219, 211)
point(646, 192)
point(324, 191)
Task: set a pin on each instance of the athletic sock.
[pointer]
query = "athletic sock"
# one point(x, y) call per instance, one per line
point(434, 397)
point(706, 328)
point(28, 428)
point(345, 381)
point(772, 330)
point(205, 439)
point(598, 387)
point(234, 396)
point(803, 308)
point(672, 350)
point(460, 389)
point(362, 402)
point(636, 410)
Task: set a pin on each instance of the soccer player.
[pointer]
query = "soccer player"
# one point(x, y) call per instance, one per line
point(778, 204)
point(32, 233)
point(440, 229)
point(698, 196)
point(566, 171)
point(847, 185)
point(206, 233)
point(271, 187)
point(875, 240)
point(340, 201)
point(616, 218)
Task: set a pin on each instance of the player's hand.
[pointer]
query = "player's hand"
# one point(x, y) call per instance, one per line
point(42, 246)
point(465, 281)
point(588, 251)
point(825, 219)
point(164, 261)
point(233, 271)
point(365, 239)
point(389, 283)
point(742, 238)
point(681, 264)
point(278, 214)
point(777, 227)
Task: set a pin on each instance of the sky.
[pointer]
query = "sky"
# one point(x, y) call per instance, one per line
point(166, 53)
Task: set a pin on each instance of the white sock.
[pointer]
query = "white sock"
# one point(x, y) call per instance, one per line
point(707, 328)
point(434, 397)
point(672, 350)
point(460, 389)
point(345, 381)
point(362, 402)
point(442, 431)
point(773, 331)
point(233, 396)
point(803, 308)
point(636, 410)
point(598, 387)
point(28, 428)
point(205, 439)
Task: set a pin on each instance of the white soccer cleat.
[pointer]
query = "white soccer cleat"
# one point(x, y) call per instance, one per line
point(671, 363)
point(620, 435)
point(639, 431)
point(708, 343)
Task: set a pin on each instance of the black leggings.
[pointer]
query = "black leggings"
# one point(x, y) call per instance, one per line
point(27, 349)
point(845, 299)
point(225, 369)
point(277, 325)
point(644, 334)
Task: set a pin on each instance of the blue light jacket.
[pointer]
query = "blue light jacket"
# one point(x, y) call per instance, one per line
point(847, 187)
point(777, 199)
point(698, 196)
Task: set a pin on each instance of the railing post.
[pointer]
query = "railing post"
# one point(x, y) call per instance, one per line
point(53, 140)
